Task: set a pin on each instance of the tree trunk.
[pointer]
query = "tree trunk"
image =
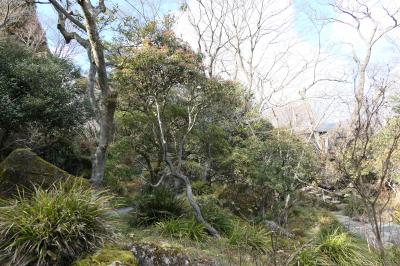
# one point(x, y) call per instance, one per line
point(378, 236)
point(108, 99)
point(197, 212)
point(207, 168)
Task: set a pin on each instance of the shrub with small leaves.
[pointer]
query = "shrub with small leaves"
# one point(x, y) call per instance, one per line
point(200, 188)
point(54, 226)
point(354, 207)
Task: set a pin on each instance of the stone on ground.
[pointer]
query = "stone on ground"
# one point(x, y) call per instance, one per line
point(23, 169)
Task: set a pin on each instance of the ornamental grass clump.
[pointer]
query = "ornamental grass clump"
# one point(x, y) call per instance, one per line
point(53, 226)
point(182, 228)
point(332, 245)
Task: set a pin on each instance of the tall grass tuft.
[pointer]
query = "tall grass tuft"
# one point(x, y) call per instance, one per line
point(54, 226)
point(247, 236)
point(332, 245)
point(182, 228)
point(343, 249)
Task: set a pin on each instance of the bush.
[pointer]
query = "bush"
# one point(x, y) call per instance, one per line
point(354, 207)
point(156, 205)
point(253, 237)
point(200, 188)
point(53, 226)
point(114, 185)
point(220, 219)
point(243, 199)
point(183, 228)
point(42, 96)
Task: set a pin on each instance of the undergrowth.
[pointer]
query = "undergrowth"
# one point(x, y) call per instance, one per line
point(54, 226)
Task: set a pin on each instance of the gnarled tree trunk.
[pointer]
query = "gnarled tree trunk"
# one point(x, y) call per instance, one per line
point(97, 73)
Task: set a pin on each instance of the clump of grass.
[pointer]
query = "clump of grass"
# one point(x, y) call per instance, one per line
point(182, 228)
point(332, 245)
point(393, 255)
point(343, 249)
point(53, 226)
point(250, 237)
point(311, 256)
point(156, 205)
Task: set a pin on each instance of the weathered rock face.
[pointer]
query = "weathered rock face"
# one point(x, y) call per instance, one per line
point(19, 21)
point(148, 254)
point(24, 169)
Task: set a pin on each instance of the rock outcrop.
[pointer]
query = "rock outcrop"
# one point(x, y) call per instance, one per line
point(24, 169)
point(19, 21)
point(149, 254)
point(108, 257)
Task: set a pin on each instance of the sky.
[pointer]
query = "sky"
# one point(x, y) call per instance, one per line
point(335, 54)
point(48, 19)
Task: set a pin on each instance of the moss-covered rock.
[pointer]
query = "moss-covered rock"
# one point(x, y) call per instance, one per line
point(108, 256)
point(150, 254)
point(24, 169)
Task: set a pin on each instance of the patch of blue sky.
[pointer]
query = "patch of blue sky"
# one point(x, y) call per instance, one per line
point(48, 18)
point(309, 16)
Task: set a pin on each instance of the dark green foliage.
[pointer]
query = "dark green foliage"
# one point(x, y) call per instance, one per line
point(41, 97)
point(155, 205)
point(53, 226)
point(70, 153)
point(182, 228)
point(38, 90)
point(200, 188)
point(277, 159)
point(219, 218)
point(244, 199)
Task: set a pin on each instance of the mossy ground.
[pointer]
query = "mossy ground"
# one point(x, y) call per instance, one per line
point(303, 222)
point(106, 256)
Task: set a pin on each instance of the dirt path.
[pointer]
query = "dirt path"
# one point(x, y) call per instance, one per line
point(390, 232)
